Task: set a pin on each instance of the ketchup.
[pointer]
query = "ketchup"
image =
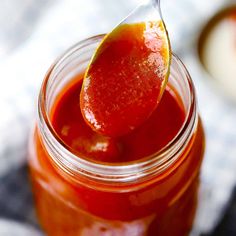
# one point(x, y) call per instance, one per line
point(159, 197)
point(147, 139)
point(126, 77)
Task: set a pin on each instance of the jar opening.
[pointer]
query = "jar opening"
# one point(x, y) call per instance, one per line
point(75, 61)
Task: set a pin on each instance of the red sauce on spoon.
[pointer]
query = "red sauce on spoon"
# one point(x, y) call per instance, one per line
point(126, 78)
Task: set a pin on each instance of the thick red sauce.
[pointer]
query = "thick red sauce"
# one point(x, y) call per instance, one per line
point(160, 204)
point(147, 139)
point(126, 78)
point(89, 208)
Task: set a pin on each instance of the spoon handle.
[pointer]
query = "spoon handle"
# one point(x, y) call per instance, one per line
point(157, 4)
point(148, 10)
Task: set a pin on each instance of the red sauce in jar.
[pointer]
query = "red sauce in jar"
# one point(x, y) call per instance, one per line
point(146, 140)
point(163, 203)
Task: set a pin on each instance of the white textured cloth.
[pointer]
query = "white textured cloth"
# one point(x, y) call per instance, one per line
point(46, 30)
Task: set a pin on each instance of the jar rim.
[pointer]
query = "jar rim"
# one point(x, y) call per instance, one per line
point(122, 171)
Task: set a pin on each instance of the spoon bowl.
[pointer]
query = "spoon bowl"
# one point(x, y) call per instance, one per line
point(127, 74)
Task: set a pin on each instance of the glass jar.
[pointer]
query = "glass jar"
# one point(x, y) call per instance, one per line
point(156, 195)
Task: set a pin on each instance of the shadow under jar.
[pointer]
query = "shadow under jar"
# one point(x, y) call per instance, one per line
point(74, 194)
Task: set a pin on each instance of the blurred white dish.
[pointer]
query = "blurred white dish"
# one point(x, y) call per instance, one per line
point(218, 50)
